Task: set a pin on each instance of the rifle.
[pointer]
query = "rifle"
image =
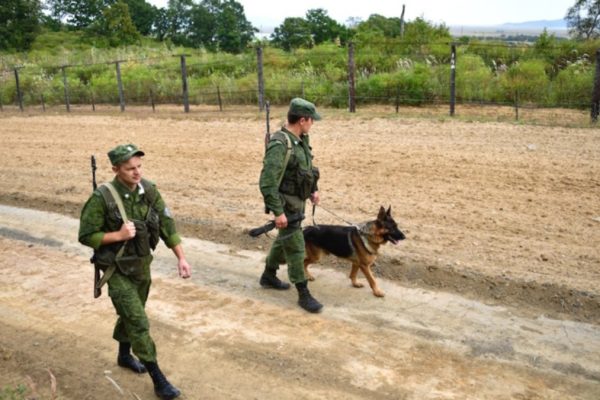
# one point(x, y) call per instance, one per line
point(271, 225)
point(268, 134)
point(97, 290)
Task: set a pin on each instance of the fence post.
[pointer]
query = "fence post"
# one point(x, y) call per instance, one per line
point(184, 84)
point(302, 88)
point(452, 80)
point(152, 100)
point(18, 87)
point(219, 98)
point(397, 98)
point(66, 88)
point(261, 78)
point(120, 86)
point(596, 92)
point(351, 86)
point(43, 105)
point(93, 101)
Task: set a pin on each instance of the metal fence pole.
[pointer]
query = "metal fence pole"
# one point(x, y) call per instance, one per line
point(351, 84)
point(452, 80)
point(261, 78)
point(184, 85)
point(120, 86)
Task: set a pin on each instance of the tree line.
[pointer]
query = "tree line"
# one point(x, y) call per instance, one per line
point(219, 25)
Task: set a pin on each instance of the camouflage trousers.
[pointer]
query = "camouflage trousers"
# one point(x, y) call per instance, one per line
point(129, 296)
point(288, 248)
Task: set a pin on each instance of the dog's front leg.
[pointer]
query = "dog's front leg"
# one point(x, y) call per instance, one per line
point(369, 275)
point(353, 275)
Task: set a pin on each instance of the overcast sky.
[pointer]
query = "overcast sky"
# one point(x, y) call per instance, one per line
point(270, 13)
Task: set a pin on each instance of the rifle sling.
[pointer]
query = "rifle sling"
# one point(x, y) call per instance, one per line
point(110, 270)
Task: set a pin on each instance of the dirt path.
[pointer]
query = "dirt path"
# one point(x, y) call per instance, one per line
point(220, 336)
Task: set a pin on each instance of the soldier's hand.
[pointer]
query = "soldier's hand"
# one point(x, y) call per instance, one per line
point(315, 198)
point(185, 270)
point(281, 221)
point(127, 231)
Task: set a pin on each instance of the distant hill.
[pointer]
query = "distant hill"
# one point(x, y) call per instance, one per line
point(550, 24)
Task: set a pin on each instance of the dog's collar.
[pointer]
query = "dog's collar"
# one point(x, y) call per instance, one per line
point(363, 235)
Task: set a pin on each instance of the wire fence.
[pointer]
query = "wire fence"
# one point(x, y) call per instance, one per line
point(345, 78)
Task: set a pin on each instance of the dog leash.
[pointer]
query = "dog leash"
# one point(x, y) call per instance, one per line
point(330, 212)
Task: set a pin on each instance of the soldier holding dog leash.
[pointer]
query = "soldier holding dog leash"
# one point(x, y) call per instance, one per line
point(287, 180)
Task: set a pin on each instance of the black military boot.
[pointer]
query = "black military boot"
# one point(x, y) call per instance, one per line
point(269, 279)
point(162, 388)
point(305, 300)
point(126, 360)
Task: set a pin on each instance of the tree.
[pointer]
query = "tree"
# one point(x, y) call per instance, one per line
point(143, 15)
point(292, 34)
point(322, 27)
point(234, 31)
point(117, 25)
point(586, 26)
point(78, 14)
point(19, 23)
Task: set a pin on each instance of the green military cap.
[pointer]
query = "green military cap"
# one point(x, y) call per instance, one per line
point(303, 108)
point(123, 152)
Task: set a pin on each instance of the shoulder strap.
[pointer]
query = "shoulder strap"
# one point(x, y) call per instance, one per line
point(112, 196)
point(288, 153)
point(117, 199)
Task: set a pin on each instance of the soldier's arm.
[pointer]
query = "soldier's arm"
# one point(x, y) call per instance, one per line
point(168, 232)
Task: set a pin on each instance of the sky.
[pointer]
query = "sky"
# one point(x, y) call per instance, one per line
point(271, 13)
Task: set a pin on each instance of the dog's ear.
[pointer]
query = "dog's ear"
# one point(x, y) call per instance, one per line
point(381, 215)
point(389, 210)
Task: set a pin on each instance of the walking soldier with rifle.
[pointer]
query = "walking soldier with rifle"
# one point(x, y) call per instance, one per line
point(287, 180)
point(123, 221)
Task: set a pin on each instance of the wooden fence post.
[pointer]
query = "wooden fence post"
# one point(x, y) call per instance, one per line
point(184, 84)
point(351, 85)
point(43, 104)
point(152, 100)
point(66, 88)
point(261, 78)
point(93, 101)
point(120, 86)
point(596, 92)
point(219, 98)
point(18, 87)
point(452, 80)
point(397, 98)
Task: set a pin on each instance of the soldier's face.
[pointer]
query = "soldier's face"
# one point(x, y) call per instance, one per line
point(129, 172)
point(306, 124)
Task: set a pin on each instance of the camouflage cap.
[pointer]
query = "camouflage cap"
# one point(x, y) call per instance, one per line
point(123, 152)
point(304, 108)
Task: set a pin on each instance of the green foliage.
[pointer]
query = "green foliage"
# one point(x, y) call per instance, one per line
point(526, 81)
point(573, 85)
point(583, 19)
point(293, 33)
point(17, 393)
point(117, 26)
point(19, 23)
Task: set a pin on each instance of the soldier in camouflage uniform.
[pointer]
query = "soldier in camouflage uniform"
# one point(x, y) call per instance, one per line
point(123, 251)
point(287, 180)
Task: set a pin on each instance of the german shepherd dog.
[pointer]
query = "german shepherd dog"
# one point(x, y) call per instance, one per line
point(358, 244)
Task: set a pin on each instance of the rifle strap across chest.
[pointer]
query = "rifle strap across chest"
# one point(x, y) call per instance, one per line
point(112, 196)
